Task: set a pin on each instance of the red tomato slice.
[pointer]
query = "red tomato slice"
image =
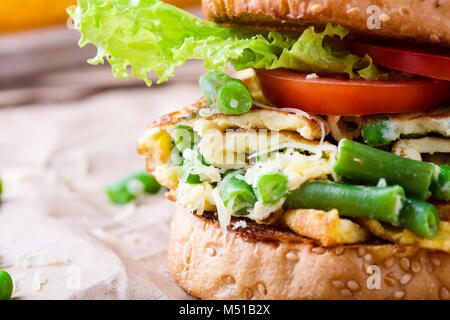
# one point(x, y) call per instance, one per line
point(331, 96)
point(435, 66)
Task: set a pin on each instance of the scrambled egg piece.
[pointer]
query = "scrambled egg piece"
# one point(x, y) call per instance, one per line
point(348, 127)
point(297, 167)
point(196, 197)
point(231, 149)
point(167, 176)
point(258, 118)
point(156, 144)
point(405, 237)
point(437, 121)
point(325, 226)
point(403, 124)
point(414, 148)
point(419, 123)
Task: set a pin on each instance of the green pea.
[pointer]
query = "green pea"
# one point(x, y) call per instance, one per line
point(127, 190)
point(184, 137)
point(237, 189)
point(379, 131)
point(191, 178)
point(6, 285)
point(272, 187)
point(176, 157)
point(440, 187)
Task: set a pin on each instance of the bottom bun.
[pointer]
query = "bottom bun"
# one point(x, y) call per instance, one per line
point(261, 262)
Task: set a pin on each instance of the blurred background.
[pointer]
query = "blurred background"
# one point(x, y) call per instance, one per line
point(68, 130)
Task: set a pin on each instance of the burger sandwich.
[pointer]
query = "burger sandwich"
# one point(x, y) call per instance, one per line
point(323, 172)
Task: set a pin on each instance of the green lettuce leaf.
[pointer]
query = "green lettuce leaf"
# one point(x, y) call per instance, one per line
point(138, 37)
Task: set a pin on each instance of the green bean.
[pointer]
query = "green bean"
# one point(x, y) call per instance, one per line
point(271, 187)
point(237, 189)
point(379, 131)
point(420, 217)
point(363, 163)
point(127, 190)
point(380, 203)
point(191, 178)
point(184, 137)
point(6, 285)
point(440, 187)
point(228, 95)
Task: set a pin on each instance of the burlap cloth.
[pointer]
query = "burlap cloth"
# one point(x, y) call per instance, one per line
point(60, 237)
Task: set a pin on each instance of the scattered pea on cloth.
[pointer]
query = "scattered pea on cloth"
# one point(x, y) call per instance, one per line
point(131, 188)
point(6, 285)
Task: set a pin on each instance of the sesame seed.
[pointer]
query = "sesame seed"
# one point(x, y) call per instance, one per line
point(317, 8)
point(262, 288)
point(211, 251)
point(384, 17)
point(318, 250)
point(248, 293)
point(339, 251)
point(229, 279)
point(368, 257)
point(405, 264)
point(389, 262)
point(404, 11)
point(353, 11)
point(338, 284)
point(435, 261)
point(395, 275)
point(353, 285)
point(345, 292)
point(434, 37)
point(405, 278)
point(416, 267)
point(443, 293)
point(390, 281)
point(398, 294)
point(292, 255)
point(361, 251)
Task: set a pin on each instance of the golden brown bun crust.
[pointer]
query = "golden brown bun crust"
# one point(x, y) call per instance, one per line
point(426, 20)
point(211, 265)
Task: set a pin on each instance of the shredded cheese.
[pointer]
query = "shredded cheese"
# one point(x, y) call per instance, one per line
point(312, 76)
point(239, 224)
point(224, 215)
point(316, 150)
point(208, 112)
point(261, 211)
